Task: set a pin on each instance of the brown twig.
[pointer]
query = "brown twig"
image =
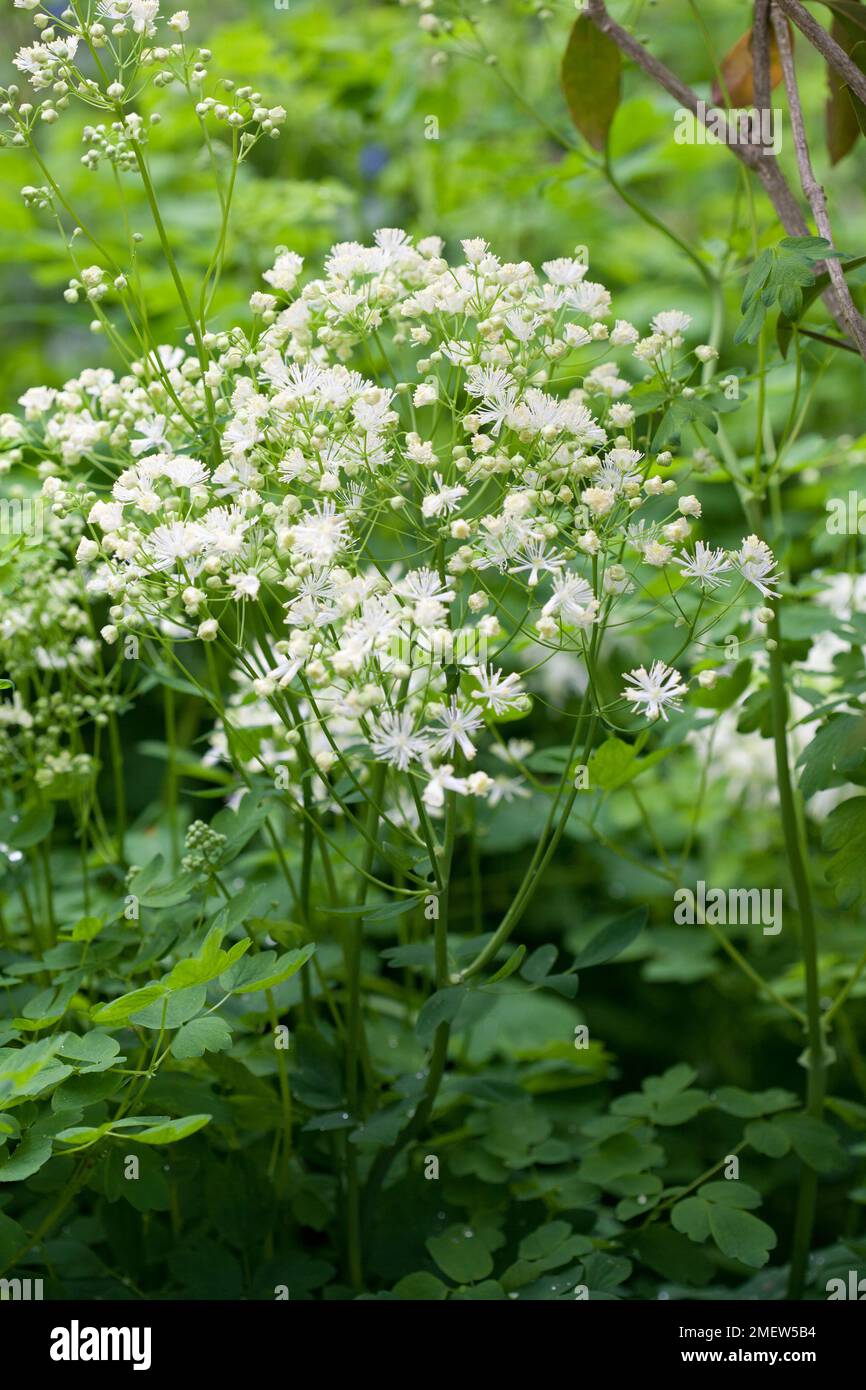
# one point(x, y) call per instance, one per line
point(812, 189)
point(761, 57)
point(826, 46)
point(755, 157)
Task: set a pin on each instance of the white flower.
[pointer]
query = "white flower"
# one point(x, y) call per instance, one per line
point(245, 586)
point(87, 551)
point(442, 780)
point(425, 394)
point(286, 269)
point(573, 600)
point(655, 553)
point(395, 740)
point(671, 323)
point(443, 502)
point(457, 725)
point(185, 472)
point(37, 400)
point(590, 299)
point(506, 789)
point(564, 271)
point(536, 560)
point(178, 541)
point(153, 435)
point(652, 691)
point(621, 414)
point(706, 565)
point(141, 12)
point(756, 563)
point(474, 249)
point(676, 531)
point(321, 533)
point(600, 500)
point(501, 693)
point(689, 506)
point(623, 334)
point(589, 543)
point(479, 783)
point(261, 303)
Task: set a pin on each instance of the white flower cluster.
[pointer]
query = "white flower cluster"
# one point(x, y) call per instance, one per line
point(120, 40)
point(51, 654)
point(371, 541)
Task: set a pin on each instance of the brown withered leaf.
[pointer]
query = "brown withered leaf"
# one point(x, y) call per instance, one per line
point(738, 74)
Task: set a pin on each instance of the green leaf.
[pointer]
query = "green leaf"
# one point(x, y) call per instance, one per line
point(93, 1052)
point(265, 971)
point(421, 1286)
point(83, 1136)
point(33, 827)
point(591, 81)
point(779, 276)
point(839, 747)
point(210, 962)
point(691, 1218)
point(30, 1070)
point(173, 1131)
point(30, 1155)
point(749, 1105)
point(170, 894)
point(441, 1007)
point(544, 1241)
point(513, 963)
point(121, 1010)
point(603, 1272)
point(209, 1034)
point(382, 1128)
point(718, 1211)
point(616, 763)
point(730, 1193)
point(539, 964)
point(461, 1254)
point(681, 412)
point(767, 1138)
point(784, 326)
point(612, 940)
point(741, 1236)
point(620, 1158)
point(87, 929)
point(845, 832)
point(172, 1009)
point(815, 1142)
point(536, 971)
point(673, 1256)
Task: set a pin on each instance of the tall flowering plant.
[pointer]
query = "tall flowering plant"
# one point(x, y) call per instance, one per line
point(356, 528)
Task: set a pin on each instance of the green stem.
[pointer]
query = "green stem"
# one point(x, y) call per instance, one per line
point(439, 1053)
point(796, 854)
point(355, 1033)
